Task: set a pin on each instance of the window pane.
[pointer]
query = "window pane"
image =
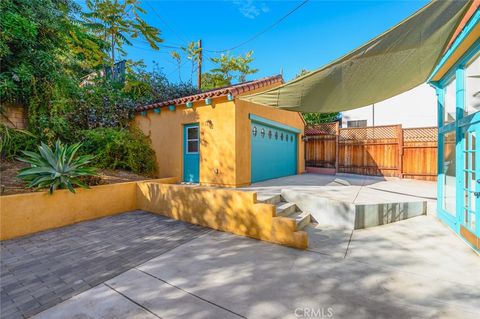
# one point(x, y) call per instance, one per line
point(449, 104)
point(472, 83)
point(449, 172)
point(472, 201)
point(192, 147)
point(192, 133)
point(357, 123)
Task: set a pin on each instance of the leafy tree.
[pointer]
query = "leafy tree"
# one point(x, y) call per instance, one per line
point(147, 87)
point(178, 60)
point(229, 68)
point(243, 66)
point(41, 48)
point(47, 47)
point(317, 118)
point(191, 52)
point(214, 80)
point(44, 51)
point(302, 73)
point(117, 21)
point(103, 104)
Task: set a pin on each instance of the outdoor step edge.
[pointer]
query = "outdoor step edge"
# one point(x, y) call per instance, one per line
point(285, 208)
point(269, 199)
point(301, 218)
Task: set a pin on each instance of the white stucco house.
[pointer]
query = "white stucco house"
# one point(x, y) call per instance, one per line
point(414, 108)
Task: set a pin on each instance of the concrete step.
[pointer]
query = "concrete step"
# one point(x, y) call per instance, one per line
point(285, 208)
point(273, 199)
point(301, 218)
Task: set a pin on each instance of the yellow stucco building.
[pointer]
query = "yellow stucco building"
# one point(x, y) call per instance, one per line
point(213, 138)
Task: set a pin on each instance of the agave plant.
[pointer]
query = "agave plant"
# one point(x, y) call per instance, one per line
point(57, 169)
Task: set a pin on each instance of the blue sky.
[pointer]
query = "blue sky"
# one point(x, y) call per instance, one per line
point(314, 35)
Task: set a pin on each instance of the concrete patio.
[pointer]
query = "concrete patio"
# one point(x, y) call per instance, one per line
point(413, 268)
point(347, 201)
point(351, 188)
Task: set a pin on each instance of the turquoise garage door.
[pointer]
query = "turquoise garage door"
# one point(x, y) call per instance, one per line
point(274, 149)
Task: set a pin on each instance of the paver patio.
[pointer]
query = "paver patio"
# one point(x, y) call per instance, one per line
point(42, 270)
point(413, 268)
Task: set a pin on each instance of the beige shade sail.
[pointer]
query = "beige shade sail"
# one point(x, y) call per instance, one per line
point(392, 63)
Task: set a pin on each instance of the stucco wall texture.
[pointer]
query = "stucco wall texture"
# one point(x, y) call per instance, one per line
point(225, 157)
point(223, 209)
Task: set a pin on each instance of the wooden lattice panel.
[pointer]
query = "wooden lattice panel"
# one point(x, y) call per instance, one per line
point(369, 133)
point(322, 129)
point(421, 134)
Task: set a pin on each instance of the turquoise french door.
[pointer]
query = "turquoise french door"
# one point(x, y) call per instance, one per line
point(273, 151)
point(191, 153)
point(470, 210)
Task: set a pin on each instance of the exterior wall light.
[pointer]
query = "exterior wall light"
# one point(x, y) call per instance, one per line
point(143, 113)
point(172, 107)
point(208, 101)
point(230, 96)
point(189, 104)
point(157, 110)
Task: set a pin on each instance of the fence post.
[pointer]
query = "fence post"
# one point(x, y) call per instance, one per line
point(400, 150)
point(337, 137)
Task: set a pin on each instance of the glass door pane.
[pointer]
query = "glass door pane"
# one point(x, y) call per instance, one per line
point(471, 183)
point(449, 173)
point(472, 86)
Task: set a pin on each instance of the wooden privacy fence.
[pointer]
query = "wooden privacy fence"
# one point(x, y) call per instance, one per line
point(381, 150)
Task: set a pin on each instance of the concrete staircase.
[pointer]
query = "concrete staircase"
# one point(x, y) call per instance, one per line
point(287, 209)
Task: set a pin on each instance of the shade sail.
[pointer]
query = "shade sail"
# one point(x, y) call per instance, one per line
point(392, 63)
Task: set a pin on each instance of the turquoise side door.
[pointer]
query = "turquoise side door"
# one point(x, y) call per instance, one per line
point(191, 153)
point(470, 216)
point(273, 150)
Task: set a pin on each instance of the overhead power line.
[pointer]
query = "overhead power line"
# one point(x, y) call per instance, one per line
point(160, 45)
point(263, 31)
point(180, 36)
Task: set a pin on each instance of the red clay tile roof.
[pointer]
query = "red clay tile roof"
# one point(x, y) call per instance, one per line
point(224, 91)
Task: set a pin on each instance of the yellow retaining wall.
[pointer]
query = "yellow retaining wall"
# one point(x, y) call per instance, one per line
point(24, 214)
point(222, 209)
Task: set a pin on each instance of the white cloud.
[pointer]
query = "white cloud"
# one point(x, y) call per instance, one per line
point(249, 9)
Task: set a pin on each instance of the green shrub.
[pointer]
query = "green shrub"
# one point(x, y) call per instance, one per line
point(13, 141)
point(101, 105)
point(120, 148)
point(58, 168)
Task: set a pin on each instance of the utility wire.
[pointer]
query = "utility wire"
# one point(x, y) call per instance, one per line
point(181, 37)
point(263, 31)
point(160, 45)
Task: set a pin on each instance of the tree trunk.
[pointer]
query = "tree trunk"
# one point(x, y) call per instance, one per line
point(113, 55)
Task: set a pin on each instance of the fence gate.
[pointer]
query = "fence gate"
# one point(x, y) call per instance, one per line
point(380, 150)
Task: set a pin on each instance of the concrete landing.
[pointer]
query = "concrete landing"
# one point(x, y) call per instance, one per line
point(347, 201)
